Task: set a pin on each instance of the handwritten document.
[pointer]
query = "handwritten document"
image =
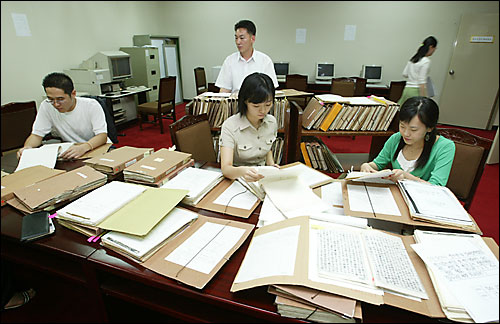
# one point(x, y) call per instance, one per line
point(469, 272)
point(206, 247)
point(341, 256)
point(391, 265)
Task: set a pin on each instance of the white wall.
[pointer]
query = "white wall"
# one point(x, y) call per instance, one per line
point(387, 32)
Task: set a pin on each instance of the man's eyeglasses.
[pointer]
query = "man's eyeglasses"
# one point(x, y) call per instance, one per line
point(52, 101)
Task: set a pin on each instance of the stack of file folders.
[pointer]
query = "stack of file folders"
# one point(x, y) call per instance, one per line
point(140, 248)
point(158, 168)
point(25, 178)
point(118, 159)
point(116, 206)
point(52, 192)
point(317, 155)
point(197, 181)
point(314, 305)
point(434, 204)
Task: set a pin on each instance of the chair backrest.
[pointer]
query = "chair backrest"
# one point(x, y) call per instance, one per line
point(110, 121)
point(360, 88)
point(166, 93)
point(192, 134)
point(344, 87)
point(471, 152)
point(200, 80)
point(17, 123)
point(396, 90)
point(296, 81)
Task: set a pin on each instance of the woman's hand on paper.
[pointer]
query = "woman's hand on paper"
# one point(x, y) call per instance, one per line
point(251, 175)
point(366, 167)
point(398, 174)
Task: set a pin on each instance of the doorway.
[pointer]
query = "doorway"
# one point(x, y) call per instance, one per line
point(471, 85)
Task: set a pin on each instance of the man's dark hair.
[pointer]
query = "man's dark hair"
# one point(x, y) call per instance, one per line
point(248, 25)
point(60, 81)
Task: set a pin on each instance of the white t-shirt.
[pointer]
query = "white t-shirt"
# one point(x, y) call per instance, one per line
point(417, 72)
point(77, 126)
point(235, 68)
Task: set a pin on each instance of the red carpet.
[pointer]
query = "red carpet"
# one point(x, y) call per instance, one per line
point(484, 208)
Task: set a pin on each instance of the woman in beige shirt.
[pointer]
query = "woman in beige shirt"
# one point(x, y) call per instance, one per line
point(247, 137)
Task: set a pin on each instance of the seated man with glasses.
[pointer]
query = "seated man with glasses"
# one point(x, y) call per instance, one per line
point(77, 120)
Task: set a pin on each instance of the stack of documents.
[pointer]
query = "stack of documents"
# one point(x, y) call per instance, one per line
point(117, 160)
point(47, 193)
point(464, 272)
point(158, 167)
point(362, 264)
point(48, 154)
point(25, 178)
point(315, 305)
point(435, 204)
point(198, 182)
point(117, 205)
point(45, 155)
point(140, 248)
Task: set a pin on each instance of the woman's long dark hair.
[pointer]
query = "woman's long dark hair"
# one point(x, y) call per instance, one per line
point(424, 48)
point(427, 111)
point(256, 88)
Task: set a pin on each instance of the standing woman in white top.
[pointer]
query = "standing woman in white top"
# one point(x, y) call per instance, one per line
point(417, 71)
point(247, 137)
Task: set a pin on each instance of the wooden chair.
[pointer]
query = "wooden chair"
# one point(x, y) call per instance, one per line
point(200, 80)
point(297, 82)
point(160, 108)
point(468, 165)
point(360, 88)
point(396, 90)
point(192, 134)
point(344, 87)
point(17, 123)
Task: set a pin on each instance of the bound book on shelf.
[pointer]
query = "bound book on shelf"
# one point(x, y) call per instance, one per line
point(156, 166)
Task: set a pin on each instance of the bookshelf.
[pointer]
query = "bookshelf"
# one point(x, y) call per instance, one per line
point(295, 132)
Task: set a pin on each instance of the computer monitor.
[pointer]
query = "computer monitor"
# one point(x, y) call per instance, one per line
point(117, 62)
point(281, 69)
point(325, 71)
point(372, 73)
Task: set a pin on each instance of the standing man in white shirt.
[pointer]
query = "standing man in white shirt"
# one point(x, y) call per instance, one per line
point(246, 61)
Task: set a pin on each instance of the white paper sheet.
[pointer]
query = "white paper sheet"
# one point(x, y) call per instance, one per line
point(378, 200)
point(45, 155)
point(206, 247)
point(293, 198)
point(332, 194)
point(270, 254)
point(95, 206)
point(236, 196)
point(193, 179)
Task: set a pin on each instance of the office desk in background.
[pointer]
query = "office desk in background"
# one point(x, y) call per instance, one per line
point(124, 105)
point(99, 279)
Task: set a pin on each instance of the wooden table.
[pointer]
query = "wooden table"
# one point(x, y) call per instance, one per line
point(105, 276)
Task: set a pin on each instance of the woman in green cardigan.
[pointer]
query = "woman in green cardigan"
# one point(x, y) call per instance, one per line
point(417, 151)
